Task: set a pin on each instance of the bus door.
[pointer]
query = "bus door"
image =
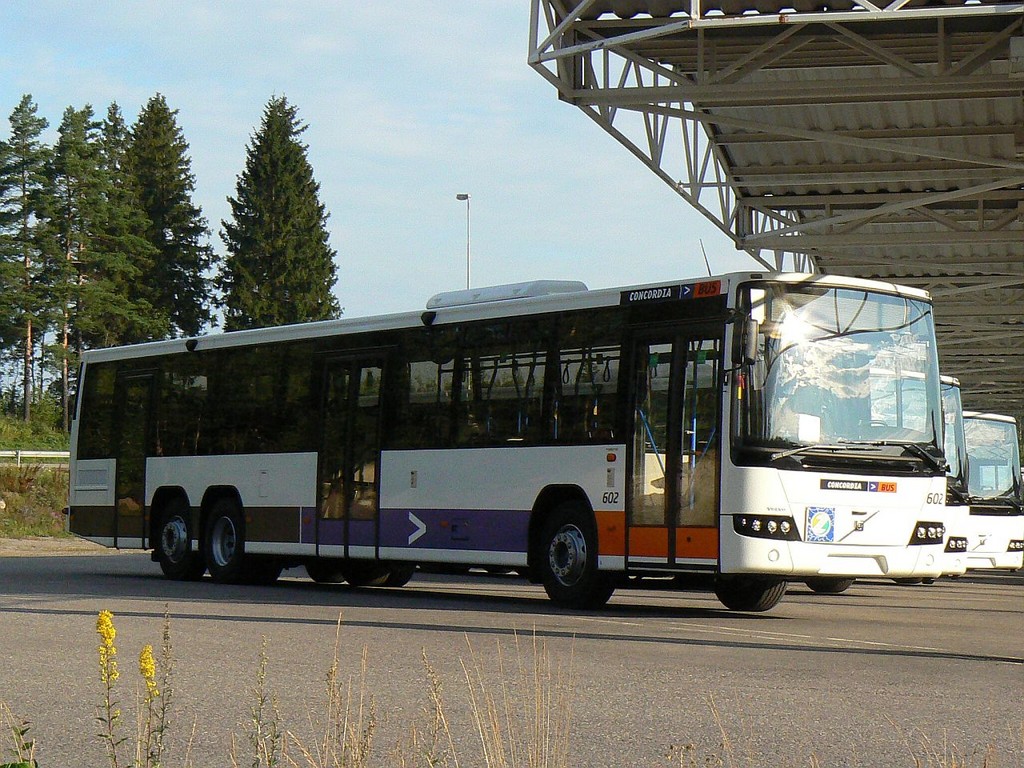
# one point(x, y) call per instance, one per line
point(674, 494)
point(349, 457)
point(134, 400)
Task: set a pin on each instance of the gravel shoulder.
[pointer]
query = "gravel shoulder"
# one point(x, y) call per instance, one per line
point(47, 546)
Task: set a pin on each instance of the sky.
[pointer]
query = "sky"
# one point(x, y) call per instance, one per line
point(406, 106)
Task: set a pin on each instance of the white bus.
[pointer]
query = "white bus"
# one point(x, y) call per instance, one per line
point(958, 510)
point(751, 428)
point(995, 538)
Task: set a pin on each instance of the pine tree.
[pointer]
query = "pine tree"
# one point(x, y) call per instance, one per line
point(93, 279)
point(23, 200)
point(280, 267)
point(78, 190)
point(177, 285)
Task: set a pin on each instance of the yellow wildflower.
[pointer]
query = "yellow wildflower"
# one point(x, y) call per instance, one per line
point(105, 627)
point(107, 633)
point(147, 668)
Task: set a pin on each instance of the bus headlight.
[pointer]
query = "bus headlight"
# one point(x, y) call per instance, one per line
point(956, 544)
point(928, 533)
point(1016, 545)
point(766, 527)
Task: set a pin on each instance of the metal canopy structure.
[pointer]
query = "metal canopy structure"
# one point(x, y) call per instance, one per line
point(844, 136)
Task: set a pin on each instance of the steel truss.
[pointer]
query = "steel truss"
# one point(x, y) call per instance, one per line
point(870, 139)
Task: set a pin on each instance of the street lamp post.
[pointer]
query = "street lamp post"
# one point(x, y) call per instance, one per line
point(465, 196)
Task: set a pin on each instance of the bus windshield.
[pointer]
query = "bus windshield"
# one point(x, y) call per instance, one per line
point(839, 366)
point(994, 458)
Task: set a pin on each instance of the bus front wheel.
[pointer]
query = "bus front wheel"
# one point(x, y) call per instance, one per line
point(174, 543)
point(224, 543)
point(568, 559)
point(748, 593)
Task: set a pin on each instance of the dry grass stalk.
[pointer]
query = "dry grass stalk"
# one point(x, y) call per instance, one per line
point(529, 726)
point(349, 722)
point(436, 749)
point(263, 730)
point(23, 749)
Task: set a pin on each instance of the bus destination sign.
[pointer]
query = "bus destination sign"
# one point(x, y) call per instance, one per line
point(671, 292)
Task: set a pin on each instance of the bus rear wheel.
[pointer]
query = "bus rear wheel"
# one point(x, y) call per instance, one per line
point(825, 585)
point(174, 543)
point(749, 593)
point(224, 543)
point(567, 557)
point(325, 571)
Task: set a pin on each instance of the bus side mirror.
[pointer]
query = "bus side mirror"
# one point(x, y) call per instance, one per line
point(751, 329)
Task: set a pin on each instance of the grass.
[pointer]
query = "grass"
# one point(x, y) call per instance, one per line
point(36, 435)
point(32, 495)
point(32, 498)
point(520, 716)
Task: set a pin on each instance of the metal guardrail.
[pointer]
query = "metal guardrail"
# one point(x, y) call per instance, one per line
point(21, 457)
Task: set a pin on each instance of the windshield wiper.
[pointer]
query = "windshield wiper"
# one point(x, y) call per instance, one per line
point(915, 448)
point(806, 449)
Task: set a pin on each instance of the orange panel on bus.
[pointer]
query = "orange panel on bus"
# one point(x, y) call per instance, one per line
point(648, 542)
point(697, 542)
point(611, 533)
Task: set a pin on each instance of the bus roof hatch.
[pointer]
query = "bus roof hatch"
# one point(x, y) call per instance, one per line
point(525, 290)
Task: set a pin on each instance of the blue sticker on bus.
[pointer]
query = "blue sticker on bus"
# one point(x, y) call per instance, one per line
point(821, 524)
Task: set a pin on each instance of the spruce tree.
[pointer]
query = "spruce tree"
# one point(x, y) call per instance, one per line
point(23, 202)
point(280, 267)
point(128, 256)
point(177, 284)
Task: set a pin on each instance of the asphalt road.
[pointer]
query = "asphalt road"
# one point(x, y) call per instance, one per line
point(881, 675)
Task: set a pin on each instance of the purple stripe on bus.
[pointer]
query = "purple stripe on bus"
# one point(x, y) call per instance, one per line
point(362, 533)
point(496, 530)
point(307, 531)
point(332, 532)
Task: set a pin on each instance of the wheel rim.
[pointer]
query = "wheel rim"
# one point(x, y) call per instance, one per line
point(567, 555)
point(223, 541)
point(174, 540)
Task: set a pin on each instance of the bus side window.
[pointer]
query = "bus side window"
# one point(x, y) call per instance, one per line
point(584, 407)
point(95, 432)
point(421, 391)
point(501, 383)
point(424, 404)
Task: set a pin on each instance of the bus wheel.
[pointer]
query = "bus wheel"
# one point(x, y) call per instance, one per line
point(748, 593)
point(824, 585)
point(367, 573)
point(568, 559)
point(399, 574)
point(174, 544)
point(325, 571)
point(262, 570)
point(224, 544)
